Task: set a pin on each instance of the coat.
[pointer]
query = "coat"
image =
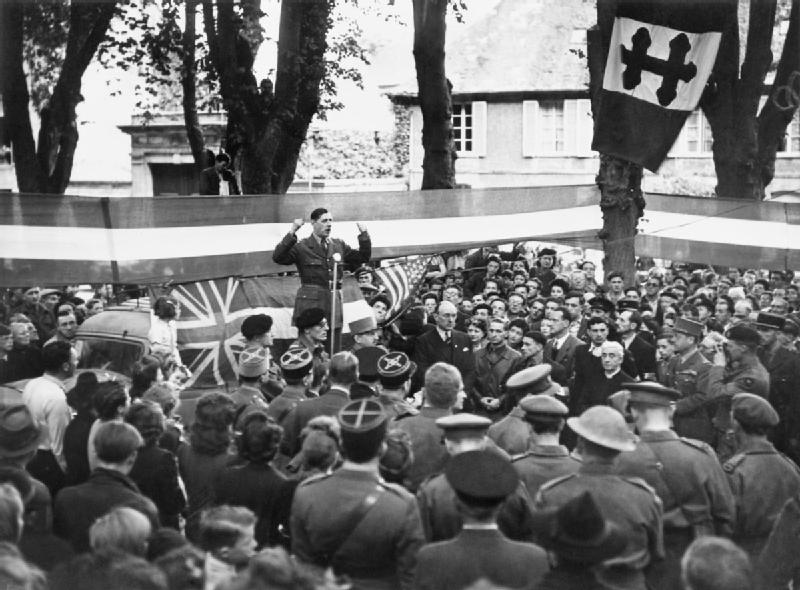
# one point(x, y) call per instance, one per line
point(328, 404)
point(512, 433)
point(77, 507)
point(479, 554)
point(315, 266)
point(565, 355)
point(430, 455)
point(541, 463)
point(779, 562)
point(690, 378)
point(588, 372)
point(644, 355)
point(430, 349)
point(209, 182)
point(155, 472)
point(381, 551)
point(783, 367)
point(491, 365)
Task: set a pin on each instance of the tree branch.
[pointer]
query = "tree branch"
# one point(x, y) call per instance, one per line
point(189, 84)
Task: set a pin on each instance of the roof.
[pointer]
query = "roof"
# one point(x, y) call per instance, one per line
point(523, 45)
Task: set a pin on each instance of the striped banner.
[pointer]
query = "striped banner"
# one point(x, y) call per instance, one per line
point(401, 281)
point(54, 240)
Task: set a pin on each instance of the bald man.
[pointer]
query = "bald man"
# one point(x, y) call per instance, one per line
point(446, 344)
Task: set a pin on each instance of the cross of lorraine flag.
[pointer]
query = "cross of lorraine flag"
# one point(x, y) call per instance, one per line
point(659, 60)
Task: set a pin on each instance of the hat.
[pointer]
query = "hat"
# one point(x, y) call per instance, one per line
point(770, 320)
point(46, 292)
point(753, 410)
point(481, 477)
point(537, 406)
point(791, 327)
point(396, 365)
point(296, 362)
point(309, 317)
point(603, 426)
point(650, 392)
point(255, 325)
point(253, 362)
point(364, 268)
point(19, 433)
point(601, 303)
point(361, 416)
point(547, 252)
point(690, 327)
point(367, 289)
point(463, 426)
point(361, 390)
point(5, 330)
point(533, 380)
point(368, 362)
point(578, 532)
point(744, 335)
point(626, 303)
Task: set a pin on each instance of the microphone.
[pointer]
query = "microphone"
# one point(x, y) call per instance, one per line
point(337, 258)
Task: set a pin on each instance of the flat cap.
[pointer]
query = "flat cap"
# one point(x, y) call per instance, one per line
point(396, 364)
point(481, 476)
point(254, 325)
point(690, 327)
point(542, 405)
point(753, 410)
point(45, 292)
point(458, 426)
point(601, 303)
point(744, 334)
point(361, 416)
point(296, 361)
point(603, 426)
point(533, 381)
point(309, 317)
point(253, 361)
point(628, 303)
point(368, 362)
point(650, 392)
point(770, 320)
point(364, 268)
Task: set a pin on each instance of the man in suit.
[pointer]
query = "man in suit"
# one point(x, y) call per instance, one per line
point(492, 362)
point(643, 353)
point(219, 178)
point(447, 345)
point(481, 480)
point(562, 345)
point(314, 257)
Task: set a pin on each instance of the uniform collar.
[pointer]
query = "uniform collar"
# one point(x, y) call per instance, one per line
point(658, 435)
point(549, 450)
point(598, 468)
point(758, 446)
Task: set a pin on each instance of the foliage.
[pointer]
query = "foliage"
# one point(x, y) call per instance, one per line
point(44, 46)
point(333, 153)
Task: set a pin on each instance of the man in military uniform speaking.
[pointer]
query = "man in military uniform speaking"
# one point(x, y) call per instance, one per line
point(314, 257)
point(351, 519)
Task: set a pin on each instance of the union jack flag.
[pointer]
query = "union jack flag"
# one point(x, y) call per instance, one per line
point(401, 282)
point(212, 313)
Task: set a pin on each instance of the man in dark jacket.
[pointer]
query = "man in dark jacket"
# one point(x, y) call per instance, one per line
point(219, 179)
point(77, 507)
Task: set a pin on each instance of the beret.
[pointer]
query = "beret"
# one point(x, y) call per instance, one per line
point(253, 361)
point(481, 476)
point(536, 405)
point(753, 410)
point(309, 317)
point(743, 334)
point(255, 325)
point(650, 392)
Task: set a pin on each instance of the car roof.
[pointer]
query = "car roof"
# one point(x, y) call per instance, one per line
point(120, 322)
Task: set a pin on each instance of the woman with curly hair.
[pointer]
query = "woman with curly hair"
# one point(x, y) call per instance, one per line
point(253, 482)
point(319, 453)
point(206, 454)
point(146, 372)
point(156, 470)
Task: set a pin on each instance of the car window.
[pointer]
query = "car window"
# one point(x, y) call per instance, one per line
point(110, 355)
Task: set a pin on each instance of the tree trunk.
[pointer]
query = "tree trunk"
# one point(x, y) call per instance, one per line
point(620, 182)
point(189, 83)
point(434, 94)
point(779, 110)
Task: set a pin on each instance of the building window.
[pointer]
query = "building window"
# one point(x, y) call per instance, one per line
point(695, 137)
point(550, 127)
point(463, 127)
point(791, 141)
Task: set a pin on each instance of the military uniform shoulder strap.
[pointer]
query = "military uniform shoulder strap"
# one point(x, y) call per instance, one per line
point(314, 479)
point(640, 483)
point(734, 462)
point(520, 456)
point(395, 489)
point(558, 480)
point(697, 444)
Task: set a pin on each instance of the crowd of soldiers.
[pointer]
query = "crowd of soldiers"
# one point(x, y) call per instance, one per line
point(520, 425)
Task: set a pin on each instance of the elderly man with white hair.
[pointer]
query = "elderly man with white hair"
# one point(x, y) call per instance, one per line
point(611, 357)
point(445, 344)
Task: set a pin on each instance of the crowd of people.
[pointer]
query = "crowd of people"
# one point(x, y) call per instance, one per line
point(521, 425)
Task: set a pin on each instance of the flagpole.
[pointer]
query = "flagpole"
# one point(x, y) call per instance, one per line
point(337, 258)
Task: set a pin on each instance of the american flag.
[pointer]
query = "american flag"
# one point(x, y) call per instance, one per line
point(401, 282)
point(212, 313)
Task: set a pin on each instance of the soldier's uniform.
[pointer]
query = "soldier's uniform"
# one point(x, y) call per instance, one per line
point(628, 502)
point(541, 463)
point(395, 370)
point(761, 478)
point(437, 499)
point(295, 363)
point(253, 362)
point(355, 522)
point(689, 481)
point(688, 373)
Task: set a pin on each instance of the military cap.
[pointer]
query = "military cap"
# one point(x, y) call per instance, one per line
point(754, 410)
point(535, 406)
point(744, 334)
point(368, 362)
point(651, 392)
point(367, 289)
point(601, 303)
point(603, 426)
point(626, 303)
point(690, 327)
point(481, 477)
point(547, 252)
point(255, 325)
point(533, 380)
point(361, 416)
point(296, 362)
point(461, 426)
point(253, 361)
point(770, 320)
point(364, 324)
point(363, 269)
point(396, 365)
point(46, 292)
point(309, 317)
point(578, 531)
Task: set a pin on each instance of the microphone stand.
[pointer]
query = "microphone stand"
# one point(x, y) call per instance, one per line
point(337, 258)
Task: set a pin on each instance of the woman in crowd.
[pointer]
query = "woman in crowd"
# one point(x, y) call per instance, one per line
point(145, 373)
point(110, 402)
point(477, 331)
point(76, 436)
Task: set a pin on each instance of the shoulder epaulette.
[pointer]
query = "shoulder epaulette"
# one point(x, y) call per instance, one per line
point(697, 444)
point(520, 456)
point(314, 479)
point(395, 489)
point(639, 482)
point(554, 482)
point(734, 462)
